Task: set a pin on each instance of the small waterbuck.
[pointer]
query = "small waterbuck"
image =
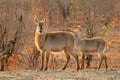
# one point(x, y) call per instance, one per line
point(86, 45)
point(54, 42)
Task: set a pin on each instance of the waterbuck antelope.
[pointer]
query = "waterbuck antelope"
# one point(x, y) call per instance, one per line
point(54, 41)
point(92, 45)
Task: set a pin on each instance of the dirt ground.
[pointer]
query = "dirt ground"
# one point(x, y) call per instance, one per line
point(67, 74)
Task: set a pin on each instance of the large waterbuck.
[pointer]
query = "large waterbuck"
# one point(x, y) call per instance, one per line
point(86, 45)
point(54, 41)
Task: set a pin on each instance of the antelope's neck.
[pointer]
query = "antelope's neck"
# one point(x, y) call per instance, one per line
point(39, 39)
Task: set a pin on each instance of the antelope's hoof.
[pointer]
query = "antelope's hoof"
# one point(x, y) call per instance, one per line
point(107, 68)
point(41, 68)
point(78, 68)
point(45, 69)
point(99, 68)
point(63, 68)
point(81, 68)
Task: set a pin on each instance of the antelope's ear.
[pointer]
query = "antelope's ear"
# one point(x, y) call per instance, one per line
point(36, 21)
point(79, 27)
point(45, 19)
point(37, 24)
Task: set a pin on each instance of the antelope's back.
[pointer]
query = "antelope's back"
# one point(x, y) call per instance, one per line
point(60, 39)
point(94, 44)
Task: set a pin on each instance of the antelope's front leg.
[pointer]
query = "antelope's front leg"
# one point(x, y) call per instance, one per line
point(42, 65)
point(47, 59)
point(83, 60)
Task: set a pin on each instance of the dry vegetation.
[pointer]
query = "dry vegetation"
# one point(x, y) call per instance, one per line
point(97, 18)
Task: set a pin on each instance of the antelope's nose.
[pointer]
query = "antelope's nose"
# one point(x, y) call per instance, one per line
point(40, 31)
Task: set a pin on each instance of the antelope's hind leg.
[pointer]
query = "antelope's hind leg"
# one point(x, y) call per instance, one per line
point(103, 57)
point(75, 56)
point(67, 57)
point(106, 65)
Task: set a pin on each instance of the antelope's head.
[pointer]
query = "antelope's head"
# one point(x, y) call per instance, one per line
point(41, 26)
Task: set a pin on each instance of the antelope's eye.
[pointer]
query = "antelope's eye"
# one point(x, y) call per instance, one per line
point(41, 25)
